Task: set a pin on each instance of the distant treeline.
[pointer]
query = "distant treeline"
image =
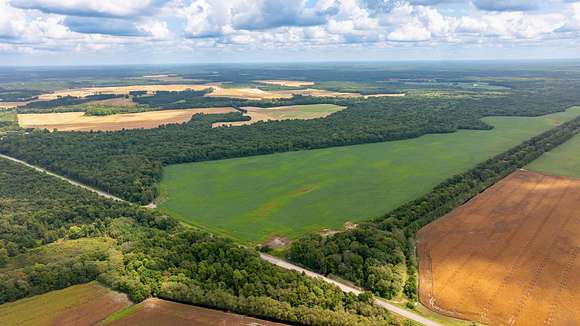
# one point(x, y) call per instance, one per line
point(372, 254)
point(128, 163)
point(144, 253)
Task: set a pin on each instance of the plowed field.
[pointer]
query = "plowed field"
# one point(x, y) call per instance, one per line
point(508, 256)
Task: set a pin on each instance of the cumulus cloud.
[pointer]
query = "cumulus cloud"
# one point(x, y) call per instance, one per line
point(100, 8)
point(105, 25)
point(507, 5)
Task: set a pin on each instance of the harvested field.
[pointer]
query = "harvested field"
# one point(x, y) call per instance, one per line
point(246, 93)
point(10, 105)
point(117, 101)
point(85, 304)
point(156, 312)
point(286, 83)
point(78, 121)
point(304, 112)
point(510, 256)
point(82, 92)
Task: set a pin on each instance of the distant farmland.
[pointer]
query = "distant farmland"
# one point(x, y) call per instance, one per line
point(303, 112)
point(507, 257)
point(79, 121)
point(288, 194)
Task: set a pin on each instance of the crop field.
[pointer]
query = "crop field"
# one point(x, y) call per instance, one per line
point(161, 312)
point(78, 121)
point(564, 160)
point(303, 112)
point(85, 304)
point(286, 83)
point(83, 92)
point(510, 256)
point(288, 194)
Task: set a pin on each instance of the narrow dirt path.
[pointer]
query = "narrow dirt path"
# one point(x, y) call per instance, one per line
point(350, 289)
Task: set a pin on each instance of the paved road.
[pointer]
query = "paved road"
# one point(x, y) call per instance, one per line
point(347, 288)
point(102, 193)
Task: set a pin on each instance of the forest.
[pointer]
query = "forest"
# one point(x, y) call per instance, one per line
point(144, 253)
point(373, 254)
point(128, 163)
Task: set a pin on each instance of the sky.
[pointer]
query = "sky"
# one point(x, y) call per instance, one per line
point(93, 32)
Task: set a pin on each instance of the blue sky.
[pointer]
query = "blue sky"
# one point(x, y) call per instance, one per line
point(47, 32)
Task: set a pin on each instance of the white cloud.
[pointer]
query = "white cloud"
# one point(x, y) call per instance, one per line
point(112, 8)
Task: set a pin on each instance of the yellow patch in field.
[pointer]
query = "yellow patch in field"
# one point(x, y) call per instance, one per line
point(287, 83)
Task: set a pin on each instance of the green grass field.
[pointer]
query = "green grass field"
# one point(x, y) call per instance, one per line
point(564, 160)
point(288, 194)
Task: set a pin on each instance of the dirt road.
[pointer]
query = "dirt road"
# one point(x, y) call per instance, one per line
point(350, 289)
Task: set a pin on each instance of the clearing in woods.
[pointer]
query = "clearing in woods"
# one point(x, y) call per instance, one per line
point(252, 199)
point(510, 256)
point(160, 312)
point(85, 304)
point(304, 112)
point(78, 121)
point(564, 160)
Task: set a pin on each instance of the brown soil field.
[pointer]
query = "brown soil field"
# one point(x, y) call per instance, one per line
point(82, 92)
point(85, 304)
point(157, 312)
point(278, 113)
point(78, 121)
point(288, 83)
point(507, 257)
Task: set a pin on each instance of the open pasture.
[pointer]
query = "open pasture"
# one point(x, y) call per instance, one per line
point(564, 160)
point(288, 194)
point(303, 112)
point(83, 92)
point(160, 312)
point(507, 257)
point(78, 121)
point(85, 304)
